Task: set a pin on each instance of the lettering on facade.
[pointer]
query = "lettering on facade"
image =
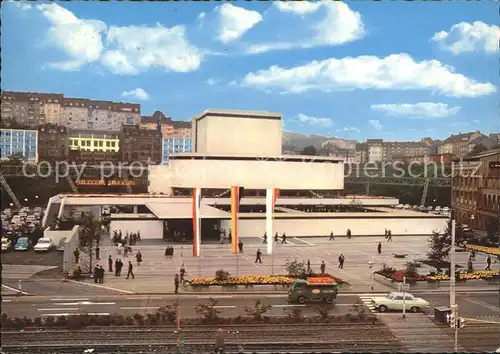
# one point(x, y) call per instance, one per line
point(109, 183)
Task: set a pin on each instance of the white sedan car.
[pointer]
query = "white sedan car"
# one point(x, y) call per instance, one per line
point(394, 301)
point(44, 245)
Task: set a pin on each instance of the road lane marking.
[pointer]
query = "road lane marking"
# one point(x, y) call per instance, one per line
point(100, 286)
point(69, 299)
point(218, 297)
point(6, 300)
point(367, 301)
point(288, 305)
point(484, 304)
point(304, 241)
point(75, 314)
point(139, 308)
point(83, 303)
point(14, 289)
point(225, 307)
point(277, 295)
point(60, 309)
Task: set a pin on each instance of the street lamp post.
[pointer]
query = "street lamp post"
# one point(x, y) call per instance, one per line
point(26, 200)
point(36, 200)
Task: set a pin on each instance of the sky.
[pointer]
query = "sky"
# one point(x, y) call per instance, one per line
point(355, 70)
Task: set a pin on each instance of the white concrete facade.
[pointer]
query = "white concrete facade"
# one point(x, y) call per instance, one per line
point(261, 173)
point(240, 132)
point(149, 229)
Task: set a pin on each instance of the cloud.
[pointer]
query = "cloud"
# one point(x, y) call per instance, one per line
point(464, 37)
point(211, 81)
point(234, 21)
point(339, 25)
point(352, 129)
point(326, 122)
point(417, 110)
point(397, 71)
point(375, 124)
point(138, 93)
point(139, 48)
point(21, 5)
point(80, 39)
point(126, 50)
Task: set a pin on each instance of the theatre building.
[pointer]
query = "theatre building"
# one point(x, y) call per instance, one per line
point(243, 149)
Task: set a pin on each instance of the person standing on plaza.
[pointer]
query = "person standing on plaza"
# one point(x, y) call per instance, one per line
point(138, 257)
point(176, 283)
point(379, 248)
point(265, 238)
point(110, 264)
point(120, 267)
point(130, 270)
point(240, 246)
point(258, 256)
point(309, 270)
point(76, 253)
point(331, 236)
point(349, 233)
point(221, 238)
point(283, 238)
point(386, 234)
point(389, 235)
point(117, 266)
point(230, 237)
point(101, 275)
point(97, 252)
point(182, 272)
point(322, 267)
point(341, 261)
point(488, 263)
point(96, 273)
point(276, 238)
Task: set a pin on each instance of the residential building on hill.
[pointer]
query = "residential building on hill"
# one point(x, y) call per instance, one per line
point(18, 143)
point(33, 109)
point(476, 190)
point(141, 145)
point(169, 127)
point(53, 143)
point(93, 146)
point(459, 144)
point(376, 150)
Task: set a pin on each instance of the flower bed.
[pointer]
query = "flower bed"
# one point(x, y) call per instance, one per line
point(398, 274)
point(481, 274)
point(495, 251)
point(251, 280)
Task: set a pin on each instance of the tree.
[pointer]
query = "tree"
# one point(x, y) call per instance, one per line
point(477, 149)
point(90, 234)
point(294, 267)
point(309, 150)
point(440, 243)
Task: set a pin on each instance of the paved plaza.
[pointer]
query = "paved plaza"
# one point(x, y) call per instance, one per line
point(156, 273)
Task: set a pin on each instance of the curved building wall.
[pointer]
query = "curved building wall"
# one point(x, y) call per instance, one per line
point(249, 174)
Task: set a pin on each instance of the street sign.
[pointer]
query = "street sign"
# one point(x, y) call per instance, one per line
point(404, 287)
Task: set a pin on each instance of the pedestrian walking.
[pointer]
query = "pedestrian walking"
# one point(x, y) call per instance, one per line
point(230, 237)
point(96, 274)
point(386, 234)
point(117, 265)
point(331, 236)
point(276, 237)
point(110, 264)
point(309, 266)
point(97, 253)
point(258, 256)
point(283, 238)
point(176, 283)
point(120, 266)
point(125, 251)
point(138, 257)
point(240, 246)
point(101, 275)
point(379, 248)
point(470, 267)
point(265, 238)
point(221, 238)
point(488, 263)
point(130, 271)
point(349, 233)
point(322, 267)
point(182, 272)
point(389, 235)
point(341, 261)
point(76, 253)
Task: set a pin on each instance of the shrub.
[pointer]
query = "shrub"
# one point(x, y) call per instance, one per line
point(129, 320)
point(295, 315)
point(222, 275)
point(38, 322)
point(168, 313)
point(324, 312)
point(359, 310)
point(139, 319)
point(49, 321)
point(257, 310)
point(61, 321)
point(208, 313)
point(75, 322)
point(294, 267)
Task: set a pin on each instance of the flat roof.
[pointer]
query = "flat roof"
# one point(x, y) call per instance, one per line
point(227, 113)
point(277, 158)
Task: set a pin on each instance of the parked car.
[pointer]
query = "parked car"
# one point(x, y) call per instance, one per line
point(394, 301)
point(22, 244)
point(60, 245)
point(399, 206)
point(6, 244)
point(446, 209)
point(44, 245)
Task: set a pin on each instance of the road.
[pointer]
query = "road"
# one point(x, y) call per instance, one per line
point(471, 305)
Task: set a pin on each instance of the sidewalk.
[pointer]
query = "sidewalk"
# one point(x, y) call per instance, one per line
point(419, 334)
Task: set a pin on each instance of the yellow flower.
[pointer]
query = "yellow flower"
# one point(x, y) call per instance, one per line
point(484, 249)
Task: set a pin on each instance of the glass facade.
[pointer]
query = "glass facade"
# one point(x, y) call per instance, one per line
point(20, 143)
point(174, 145)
